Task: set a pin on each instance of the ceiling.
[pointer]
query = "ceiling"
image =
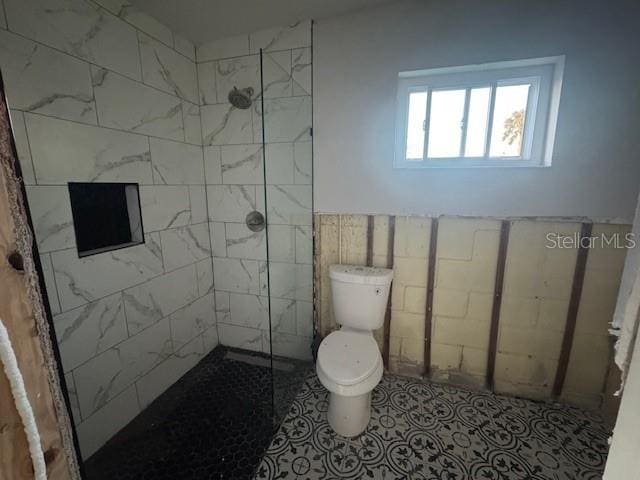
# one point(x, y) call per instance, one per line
point(205, 20)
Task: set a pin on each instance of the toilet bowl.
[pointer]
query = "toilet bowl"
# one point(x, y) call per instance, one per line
point(349, 363)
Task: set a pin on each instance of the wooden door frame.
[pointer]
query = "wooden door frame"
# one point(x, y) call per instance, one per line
point(41, 339)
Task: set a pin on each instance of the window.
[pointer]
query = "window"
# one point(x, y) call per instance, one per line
point(495, 114)
point(106, 216)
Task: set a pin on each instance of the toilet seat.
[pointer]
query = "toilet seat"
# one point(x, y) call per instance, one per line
point(349, 363)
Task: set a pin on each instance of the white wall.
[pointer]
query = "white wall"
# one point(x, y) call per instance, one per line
point(357, 57)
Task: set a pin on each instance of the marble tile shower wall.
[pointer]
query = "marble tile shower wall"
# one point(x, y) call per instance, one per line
point(235, 186)
point(101, 92)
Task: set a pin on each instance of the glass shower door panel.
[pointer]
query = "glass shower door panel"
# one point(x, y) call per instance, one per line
point(286, 121)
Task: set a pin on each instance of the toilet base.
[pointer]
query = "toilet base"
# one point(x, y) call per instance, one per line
point(349, 416)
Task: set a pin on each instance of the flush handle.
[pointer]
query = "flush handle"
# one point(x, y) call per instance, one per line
point(255, 221)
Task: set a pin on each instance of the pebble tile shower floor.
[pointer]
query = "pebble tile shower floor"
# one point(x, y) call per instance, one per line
point(214, 423)
point(431, 431)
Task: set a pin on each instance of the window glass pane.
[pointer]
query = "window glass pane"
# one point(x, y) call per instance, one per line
point(477, 122)
point(415, 125)
point(508, 120)
point(445, 123)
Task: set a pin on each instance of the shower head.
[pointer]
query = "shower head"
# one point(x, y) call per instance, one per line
point(241, 98)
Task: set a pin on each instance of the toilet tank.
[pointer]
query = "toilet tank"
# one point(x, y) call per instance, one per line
point(360, 295)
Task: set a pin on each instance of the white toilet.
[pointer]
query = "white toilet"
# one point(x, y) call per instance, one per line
point(349, 363)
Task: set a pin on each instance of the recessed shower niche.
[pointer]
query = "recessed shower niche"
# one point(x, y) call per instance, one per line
point(106, 216)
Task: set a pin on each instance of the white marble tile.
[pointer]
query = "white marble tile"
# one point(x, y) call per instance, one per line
point(80, 28)
point(283, 315)
point(249, 311)
point(285, 119)
point(50, 283)
point(240, 72)
point(147, 303)
point(64, 152)
point(147, 24)
point(303, 163)
point(83, 280)
point(73, 397)
point(217, 232)
point(304, 244)
point(164, 206)
point(240, 337)
point(210, 339)
point(282, 241)
point(282, 38)
point(291, 346)
point(86, 331)
point(230, 203)
point(260, 199)
point(212, 168)
point(94, 432)
point(280, 166)
point(113, 6)
point(301, 71)
point(3, 19)
point(22, 147)
point(166, 69)
point(192, 320)
point(154, 383)
point(241, 164)
point(207, 83)
point(236, 275)
point(204, 276)
point(289, 204)
point(50, 208)
point(184, 46)
point(223, 307)
point(129, 13)
point(176, 163)
point(42, 80)
point(127, 105)
point(223, 48)
point(263, 278)
point(304, 319)
point(276, 72)
point(291, 281)
point(243, 243)
point(103, 377)
point(223, 124)
point(185, 245)
point(198, 198)
point(192, 126)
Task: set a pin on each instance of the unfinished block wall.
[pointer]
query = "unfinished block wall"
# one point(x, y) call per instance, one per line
point(440, 322)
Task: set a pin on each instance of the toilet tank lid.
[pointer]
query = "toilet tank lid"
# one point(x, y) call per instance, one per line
point(360, 274)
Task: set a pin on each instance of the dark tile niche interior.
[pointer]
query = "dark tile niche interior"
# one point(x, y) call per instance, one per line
point(106, 216)
point(215, 422)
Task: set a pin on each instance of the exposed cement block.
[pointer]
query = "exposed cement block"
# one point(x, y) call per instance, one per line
point(537, 287)
point(409, 325)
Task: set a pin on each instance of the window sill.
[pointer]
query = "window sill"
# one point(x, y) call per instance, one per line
point(458, 163)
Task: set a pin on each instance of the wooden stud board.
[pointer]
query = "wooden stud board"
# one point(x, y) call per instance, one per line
point(387, 316)
point(505, 228)
point(431, 274)
point(25, 314)
point(572, 312)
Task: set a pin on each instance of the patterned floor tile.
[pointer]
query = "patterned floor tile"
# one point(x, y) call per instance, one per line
point(421, 430)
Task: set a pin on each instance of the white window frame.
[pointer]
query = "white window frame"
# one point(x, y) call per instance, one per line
point(543, 74)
